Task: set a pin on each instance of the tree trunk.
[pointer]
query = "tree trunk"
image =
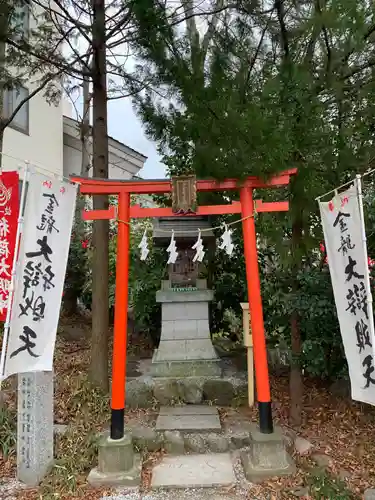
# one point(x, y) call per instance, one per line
point(296, 381)
point(85, 127)
point(70, 302)
point(100, 236)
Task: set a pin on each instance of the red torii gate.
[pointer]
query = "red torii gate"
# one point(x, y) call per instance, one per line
point(124, 212)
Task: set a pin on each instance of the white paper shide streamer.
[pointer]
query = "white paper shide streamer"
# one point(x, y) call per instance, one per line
point(143, 246)
point(226, 241)
point(40, 274)
point(199, 249)
point(172, 250)
point(345, 240)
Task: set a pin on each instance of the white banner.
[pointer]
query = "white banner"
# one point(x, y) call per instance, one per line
point(40, 274)
point(347, 259)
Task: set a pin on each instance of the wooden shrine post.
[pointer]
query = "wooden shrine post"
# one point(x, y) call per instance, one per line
point(246, 207)
point(248, 343)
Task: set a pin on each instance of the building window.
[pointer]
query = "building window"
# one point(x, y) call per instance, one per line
point(12, 99)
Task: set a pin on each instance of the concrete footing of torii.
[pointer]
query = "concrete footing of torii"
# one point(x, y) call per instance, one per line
point(199, 452)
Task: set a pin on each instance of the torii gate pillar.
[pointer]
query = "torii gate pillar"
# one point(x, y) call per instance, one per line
point(256, 311)
point(121, 318)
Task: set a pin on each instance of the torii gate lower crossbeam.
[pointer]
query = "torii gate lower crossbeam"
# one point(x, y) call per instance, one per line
point(247, 208)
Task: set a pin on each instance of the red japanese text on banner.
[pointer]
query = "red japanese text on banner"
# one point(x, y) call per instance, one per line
point(9, 211)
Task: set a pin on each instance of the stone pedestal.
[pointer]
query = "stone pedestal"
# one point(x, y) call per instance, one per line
point(118, 464)
point(185, 347)
point(267, 456)
point(34, 426)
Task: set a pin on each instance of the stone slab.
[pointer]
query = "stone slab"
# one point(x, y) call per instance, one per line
point(34, 426)
point(191, 299)
point(188, 423)
point(176, 297)
point(182, 309)
point(185, 329)
point(113, 479)
point(194, 471)
point(198, 349)
point(188, 410)
point(184, 368)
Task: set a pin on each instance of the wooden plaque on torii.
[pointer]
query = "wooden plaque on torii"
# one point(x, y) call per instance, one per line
point(184, 194)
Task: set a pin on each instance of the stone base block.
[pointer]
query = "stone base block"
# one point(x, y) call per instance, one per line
point(196, 368)
point(131, 477)
point(199, 348)
point(144, 392)
point(267, 456)
point(115, 455)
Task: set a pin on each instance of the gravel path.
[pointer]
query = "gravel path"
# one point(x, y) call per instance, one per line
point(190, 494)
point(9, 488)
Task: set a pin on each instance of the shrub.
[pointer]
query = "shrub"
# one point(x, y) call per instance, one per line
point(144, 279)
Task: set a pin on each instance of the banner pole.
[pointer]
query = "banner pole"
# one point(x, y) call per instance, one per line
point(14, 271)
point(367, 273)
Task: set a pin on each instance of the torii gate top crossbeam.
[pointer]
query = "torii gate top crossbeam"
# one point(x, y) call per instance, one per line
point(112, 187)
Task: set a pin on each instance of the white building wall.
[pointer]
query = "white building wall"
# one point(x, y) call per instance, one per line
point(73, 158)
point(124, 163)
point(43, 146)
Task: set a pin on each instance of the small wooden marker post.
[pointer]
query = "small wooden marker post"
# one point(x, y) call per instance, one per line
point(248, 343)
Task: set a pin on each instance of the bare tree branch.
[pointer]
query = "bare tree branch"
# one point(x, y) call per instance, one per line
point(279, 6)
point(191, 30)
point(81, 27)
point(118, 27)
point(58, 62)
point(211, 27)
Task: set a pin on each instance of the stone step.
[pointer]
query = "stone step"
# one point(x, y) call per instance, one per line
point(194, 471)
point(190, 418)
point(171, 411)
point(144, 391)
point(233, 435)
